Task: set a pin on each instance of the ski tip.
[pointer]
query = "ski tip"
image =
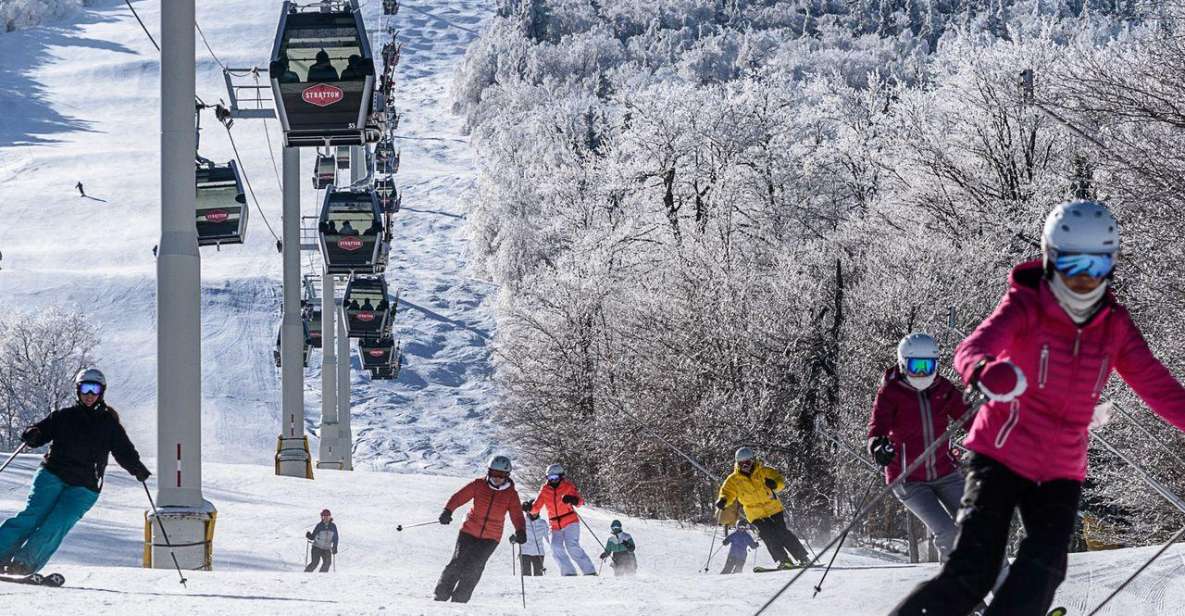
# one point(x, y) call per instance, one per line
point(1058, 611)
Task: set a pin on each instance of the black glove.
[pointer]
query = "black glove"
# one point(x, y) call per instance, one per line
point(142, 474)
point(771, 484)
point(308, 536)
point(720, 504)
point(335, 550)
point(570, 499)
point(604, 555)
point(520, 536)
point(31, 437)
point(883, 450)
point(446, 517)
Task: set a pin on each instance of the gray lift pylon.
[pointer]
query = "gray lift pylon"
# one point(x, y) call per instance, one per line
point(329, 454)
point(358, 173)
point(292, 447)
point(188, 516)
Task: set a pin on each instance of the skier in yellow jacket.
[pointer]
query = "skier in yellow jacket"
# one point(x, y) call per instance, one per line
point(756, 486)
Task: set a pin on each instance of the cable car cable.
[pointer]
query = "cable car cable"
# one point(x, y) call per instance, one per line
point(207, 44)
point(247, 181)
point(137, 15)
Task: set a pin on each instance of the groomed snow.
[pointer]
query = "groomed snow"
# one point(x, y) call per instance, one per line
point(259, 555)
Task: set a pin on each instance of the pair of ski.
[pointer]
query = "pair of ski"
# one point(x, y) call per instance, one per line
point(52, 580)
point(1057, 611)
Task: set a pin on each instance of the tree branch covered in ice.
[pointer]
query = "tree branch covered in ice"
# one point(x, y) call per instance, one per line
point(713, 221)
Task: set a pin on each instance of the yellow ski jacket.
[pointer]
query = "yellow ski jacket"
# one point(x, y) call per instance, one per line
point(755, 497)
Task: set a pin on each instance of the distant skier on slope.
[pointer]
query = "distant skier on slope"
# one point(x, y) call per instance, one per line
point(531, 553)
point(1042, 359)
point(324, 538)
point(620, 545)
point(739, 543)
point(561, 498)
point(81, 437)
point(914, 406)
point(756, 486)
point(494, 497)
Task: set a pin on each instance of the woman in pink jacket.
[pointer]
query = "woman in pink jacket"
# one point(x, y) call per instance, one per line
point(1042, 359)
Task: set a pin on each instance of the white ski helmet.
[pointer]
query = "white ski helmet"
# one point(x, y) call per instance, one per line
point(90, 375)
point(555, 469)
point(500, 463)
point(1080, 227)
point(917, 345)
point(744, 454)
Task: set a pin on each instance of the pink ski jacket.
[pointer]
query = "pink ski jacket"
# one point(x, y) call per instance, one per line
point(912, 420)
point(1043, 434)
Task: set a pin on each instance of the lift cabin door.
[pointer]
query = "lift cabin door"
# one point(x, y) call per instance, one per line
point(322, 74)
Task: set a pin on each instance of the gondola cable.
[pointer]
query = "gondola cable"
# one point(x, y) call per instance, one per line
point(247, 181)
point(137, 15)
point(207, 44)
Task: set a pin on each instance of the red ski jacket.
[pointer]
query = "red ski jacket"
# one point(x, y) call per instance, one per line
point(912, 420)
point(1042, 435)
point(559, 513)
point(490, 506)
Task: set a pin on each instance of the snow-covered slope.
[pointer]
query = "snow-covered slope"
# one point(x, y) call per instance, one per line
point(259, 554)
point(81, 101)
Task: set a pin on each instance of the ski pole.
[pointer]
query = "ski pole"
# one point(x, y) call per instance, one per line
point(917, 463)
point(711, 548)
point(19, 451)
point(590, 531)
point(522, 581)
point(513, 568)
point(161, 524)
point(401, 527)
point(1156, 486)
point(819, 586)
point(1159, 441)
point(1175, 538)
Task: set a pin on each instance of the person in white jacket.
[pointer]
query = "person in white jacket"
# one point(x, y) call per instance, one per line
point(538, 535)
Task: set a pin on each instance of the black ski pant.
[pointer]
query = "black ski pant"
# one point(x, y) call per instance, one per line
point(779, 540)
point(461, 574)
point(734, 564)
point(325, 557)
point(531, 565)
point(1048, 511)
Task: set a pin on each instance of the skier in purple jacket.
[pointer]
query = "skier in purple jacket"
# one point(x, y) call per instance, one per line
point(914, 406)
point(1042, 359)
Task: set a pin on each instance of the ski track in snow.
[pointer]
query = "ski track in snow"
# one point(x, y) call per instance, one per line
point(86, 98)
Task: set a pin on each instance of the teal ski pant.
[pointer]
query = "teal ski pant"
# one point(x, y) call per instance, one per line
point(31, 537)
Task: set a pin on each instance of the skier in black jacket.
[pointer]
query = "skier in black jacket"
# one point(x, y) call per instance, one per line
point(324, 540)
point(81, 437)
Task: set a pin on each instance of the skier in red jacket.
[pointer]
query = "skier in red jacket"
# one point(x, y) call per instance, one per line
point(493, 498)
point(1042, 359)
point(915, 405)
point(561, 498)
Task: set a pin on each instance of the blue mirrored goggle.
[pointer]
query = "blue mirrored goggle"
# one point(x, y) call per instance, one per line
point(554, 477)
point(1096, 266)
point(93, 389)
point(921, 366)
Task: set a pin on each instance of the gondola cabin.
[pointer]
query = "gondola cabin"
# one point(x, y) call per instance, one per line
point(366, 307)
point(351, 227)
point(386, 159)
point(312, 320)
point(384, 189)
point(277, 356)
point(376, 352)
point(390, 7)
point(324, 172)
point(322, 74)
point(221, 205)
